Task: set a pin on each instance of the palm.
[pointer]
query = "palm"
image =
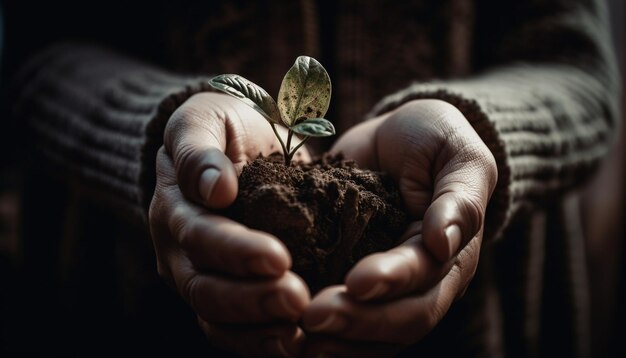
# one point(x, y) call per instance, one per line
point(445, 174)
point(398, 155)
point(431, 151)
point(408, 154)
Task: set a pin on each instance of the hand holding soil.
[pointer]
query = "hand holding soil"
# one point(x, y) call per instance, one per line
point(446, 175)
point(230, 275)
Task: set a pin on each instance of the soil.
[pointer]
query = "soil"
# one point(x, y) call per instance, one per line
point(329, 213)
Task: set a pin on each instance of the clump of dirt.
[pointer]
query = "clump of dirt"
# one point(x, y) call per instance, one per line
point(329, 213)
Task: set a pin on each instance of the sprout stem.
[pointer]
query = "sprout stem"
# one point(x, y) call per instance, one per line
point(282, 144)
point(295, 149)
point(289, 136)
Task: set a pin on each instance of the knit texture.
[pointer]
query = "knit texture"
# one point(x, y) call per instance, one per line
point(548, 125)
point(543, 125)
point(98, 118)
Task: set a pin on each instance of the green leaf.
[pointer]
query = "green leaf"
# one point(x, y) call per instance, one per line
point(250, 93)
point(304, 92)
point(314, 127)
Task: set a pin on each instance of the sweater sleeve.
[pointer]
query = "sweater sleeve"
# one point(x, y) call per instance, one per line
point(546, 104)
point(97, 119)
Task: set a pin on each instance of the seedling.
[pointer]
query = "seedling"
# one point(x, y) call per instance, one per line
point(303, 100)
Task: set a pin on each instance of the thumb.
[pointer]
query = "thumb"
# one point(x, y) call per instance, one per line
point(449, 223)
point(196, 139)
point(457, 211)
point(206, 176)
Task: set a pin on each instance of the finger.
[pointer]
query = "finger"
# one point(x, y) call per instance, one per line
point(445, 171)
point(405, 269)
point(217, 243)
point(207, 176)
point(453, 218)
point(271, 340)
point(462, 190)
point(213, 242)
point(196, 139)
point(403, 321)
point(221, 299)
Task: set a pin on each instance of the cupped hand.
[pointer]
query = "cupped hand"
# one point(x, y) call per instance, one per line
point(236, 279)
point(446, 175)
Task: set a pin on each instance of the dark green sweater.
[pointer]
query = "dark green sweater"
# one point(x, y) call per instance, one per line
point(536, 79)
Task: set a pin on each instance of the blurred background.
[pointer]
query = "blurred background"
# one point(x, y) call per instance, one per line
point(605, 237)
point(606, 249)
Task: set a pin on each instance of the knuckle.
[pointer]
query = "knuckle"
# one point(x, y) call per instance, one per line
point(161, 154)
point(189, 290)
point(475, 210)
point(175, 127)
point(179, 224)
point(471, 209)
point(186, 158)
point(154, 210)
point(164, 170)
point(166, 211)
point(154, 214)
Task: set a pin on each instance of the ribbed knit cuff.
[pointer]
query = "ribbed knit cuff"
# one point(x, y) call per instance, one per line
point(98, 119)
point(548, 128)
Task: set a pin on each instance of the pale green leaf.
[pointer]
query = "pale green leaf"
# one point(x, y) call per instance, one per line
point(248, 92)
point(304, 92)
point(314, 127)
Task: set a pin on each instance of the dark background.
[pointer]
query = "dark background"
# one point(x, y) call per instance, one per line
point(28, 24)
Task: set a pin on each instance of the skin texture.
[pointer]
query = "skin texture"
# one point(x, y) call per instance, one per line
point(231, 275)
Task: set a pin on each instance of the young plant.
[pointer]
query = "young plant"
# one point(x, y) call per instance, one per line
point(303, 100)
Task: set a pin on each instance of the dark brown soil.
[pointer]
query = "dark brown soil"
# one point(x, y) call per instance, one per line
point(329, 213)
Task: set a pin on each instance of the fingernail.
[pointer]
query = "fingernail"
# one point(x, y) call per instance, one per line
point(275, 347)
point(208, 179)
point(453, 234)
point(332, 323)
point(379, 289)
point(263, 266)
point(280, 306)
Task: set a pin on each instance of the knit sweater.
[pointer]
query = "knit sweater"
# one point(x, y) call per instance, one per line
point(535, 79)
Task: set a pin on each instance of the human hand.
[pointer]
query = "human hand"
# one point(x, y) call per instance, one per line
point(446, 175)
point(236, 279)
